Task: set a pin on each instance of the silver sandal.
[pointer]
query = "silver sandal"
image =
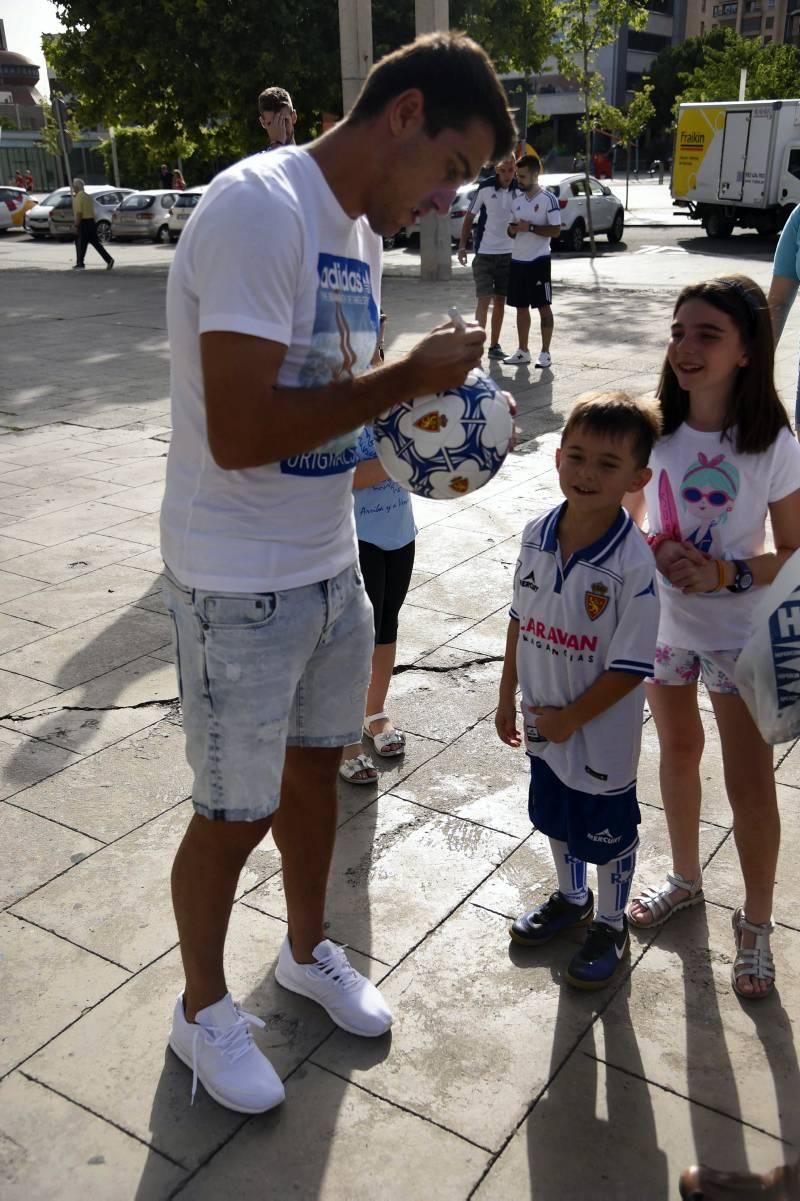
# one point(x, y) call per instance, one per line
point(754, 961)
point(656, 900)
point(386, 739)
point(351, 769)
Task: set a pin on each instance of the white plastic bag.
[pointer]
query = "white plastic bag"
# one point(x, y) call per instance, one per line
point(768, 670)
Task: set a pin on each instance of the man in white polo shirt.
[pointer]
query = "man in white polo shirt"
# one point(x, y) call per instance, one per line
point(488, 218)
point(535, 221)
point(581, 641)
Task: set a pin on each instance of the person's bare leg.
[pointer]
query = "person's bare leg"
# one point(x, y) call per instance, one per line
point(304, 829)
point(382, 667)
point(204, 878)
point(498, 312)
point(750, 784)
point(681, 740)
point(547, 323)
point(482, 310)
point(523, 327)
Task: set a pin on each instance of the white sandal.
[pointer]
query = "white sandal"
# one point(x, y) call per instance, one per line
point(352, 769)
point(387, 738)
point(657, 903)
point(753, 961)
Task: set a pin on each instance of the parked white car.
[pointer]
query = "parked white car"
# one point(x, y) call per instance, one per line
point(105, 200)
point(143, 215)
point(185, 204)
point(37, 220)
point(458, 211)
point(608, 211)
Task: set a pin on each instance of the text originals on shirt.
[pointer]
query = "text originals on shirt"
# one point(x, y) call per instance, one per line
point(556, 641)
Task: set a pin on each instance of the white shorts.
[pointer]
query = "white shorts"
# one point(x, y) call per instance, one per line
point(678, 665)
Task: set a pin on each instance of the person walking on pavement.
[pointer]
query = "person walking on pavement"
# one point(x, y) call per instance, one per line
point(489, 214)
point(274, 630)
point(535, 221)
point(86, 227)
point(165, 177)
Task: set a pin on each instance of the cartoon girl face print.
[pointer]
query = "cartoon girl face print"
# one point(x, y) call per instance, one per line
point(708, 494)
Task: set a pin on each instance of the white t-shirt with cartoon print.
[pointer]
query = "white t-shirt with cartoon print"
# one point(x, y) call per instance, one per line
point(720, 499)
point(270, 253)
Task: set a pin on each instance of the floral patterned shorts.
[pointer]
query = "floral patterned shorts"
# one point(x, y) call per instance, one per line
point(676, 665)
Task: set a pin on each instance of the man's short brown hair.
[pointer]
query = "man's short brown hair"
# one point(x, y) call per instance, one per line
point(272, 100)
point(457, 81)
point(618, 415)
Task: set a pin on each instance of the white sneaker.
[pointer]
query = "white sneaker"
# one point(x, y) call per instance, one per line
point(349, 998)
point(223, 1057)
point(519, 356)
point(544, 359)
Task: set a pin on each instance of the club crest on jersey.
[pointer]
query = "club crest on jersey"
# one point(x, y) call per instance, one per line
point(595, 601)
point(432, 423)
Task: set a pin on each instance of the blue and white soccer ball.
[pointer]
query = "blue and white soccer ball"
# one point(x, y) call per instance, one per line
point(446, 445)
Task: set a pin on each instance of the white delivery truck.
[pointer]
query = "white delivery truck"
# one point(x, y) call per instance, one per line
point(737, 163)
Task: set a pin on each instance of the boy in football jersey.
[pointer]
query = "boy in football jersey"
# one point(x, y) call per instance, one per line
point(535, 221)
point(581, 640)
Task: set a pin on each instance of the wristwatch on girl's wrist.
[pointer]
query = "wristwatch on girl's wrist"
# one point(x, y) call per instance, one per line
point(743, 578)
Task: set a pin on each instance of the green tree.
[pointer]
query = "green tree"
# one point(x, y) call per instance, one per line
point(668, 73)
point(193, 65)
point(585, 26)
point(773, 72)
point(627, 125)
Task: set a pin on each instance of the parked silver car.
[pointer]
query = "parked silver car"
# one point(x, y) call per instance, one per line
point(185, 204)
point(144, 215)
point(104, 199)
point(37, 220)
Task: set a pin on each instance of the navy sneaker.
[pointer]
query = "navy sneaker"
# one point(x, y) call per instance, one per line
point(496, 351)
point(551, 918)
point(600, 957)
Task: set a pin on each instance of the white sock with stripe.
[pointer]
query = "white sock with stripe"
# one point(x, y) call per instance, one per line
point(571, 874)
point(614, 886)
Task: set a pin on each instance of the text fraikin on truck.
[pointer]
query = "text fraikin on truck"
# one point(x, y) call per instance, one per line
point(692, 139)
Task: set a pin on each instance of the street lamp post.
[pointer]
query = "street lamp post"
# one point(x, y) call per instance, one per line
point(355, 45)
point(436, 251)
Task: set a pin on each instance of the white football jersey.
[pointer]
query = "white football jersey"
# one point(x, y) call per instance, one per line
point(598, 612)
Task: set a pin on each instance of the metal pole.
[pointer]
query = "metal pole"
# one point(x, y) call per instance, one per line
point(355, 47)
point(57, 106)
point(436, 250)
point(114, 163)
point(743, 84)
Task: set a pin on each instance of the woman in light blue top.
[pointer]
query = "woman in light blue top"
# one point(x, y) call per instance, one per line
point(785, 282)
point(386, 531)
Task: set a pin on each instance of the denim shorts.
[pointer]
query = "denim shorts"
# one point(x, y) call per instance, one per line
point(258, 672)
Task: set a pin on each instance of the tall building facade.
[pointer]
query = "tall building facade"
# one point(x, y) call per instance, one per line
point(767, 20)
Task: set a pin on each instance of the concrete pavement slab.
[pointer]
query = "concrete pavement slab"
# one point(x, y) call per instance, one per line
point(11, 548)
point(79, 556)
point(630, 1141)
point(722, 880)
point(35, 851)
point(684, 1028)
point(112, 792)
point(117, 903)
point(789, 770)
point(444, 694)
point(13, 586)
point(52, 528)
point(24, 761)
point(47, 1141)
point(36, 502)
point(47, 984)
point(440, 859)
point(474, 1033)
point(143, 530)
point(14, 633)
point(18, 691)
point(70, 657)
point(476, 778)
point(487, 637)
point(335, 1143)
point(434, 554)
point(391, 772)
point(73, 601)
point(473, 589)
point(44, 475)
point(422, 631)
point(127, 1074)
point(135, 474)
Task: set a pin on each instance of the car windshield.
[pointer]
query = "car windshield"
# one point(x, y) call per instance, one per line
point(187, 200)
point(63, 202)
point(137, 202)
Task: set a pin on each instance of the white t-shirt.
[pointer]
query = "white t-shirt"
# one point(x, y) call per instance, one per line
point(492, 206)
point(598, 612)
point(721, 501)
point(271, 253)
point(542, 209)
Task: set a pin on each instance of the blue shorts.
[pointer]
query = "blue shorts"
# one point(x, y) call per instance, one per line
point(258, 672)
point(596, 828)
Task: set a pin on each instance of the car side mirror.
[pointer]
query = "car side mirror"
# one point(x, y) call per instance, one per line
point(606, 191)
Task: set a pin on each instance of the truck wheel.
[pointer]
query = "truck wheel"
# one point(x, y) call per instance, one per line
point(717, 226)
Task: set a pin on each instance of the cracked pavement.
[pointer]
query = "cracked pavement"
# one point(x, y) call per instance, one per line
point(497, 1082)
